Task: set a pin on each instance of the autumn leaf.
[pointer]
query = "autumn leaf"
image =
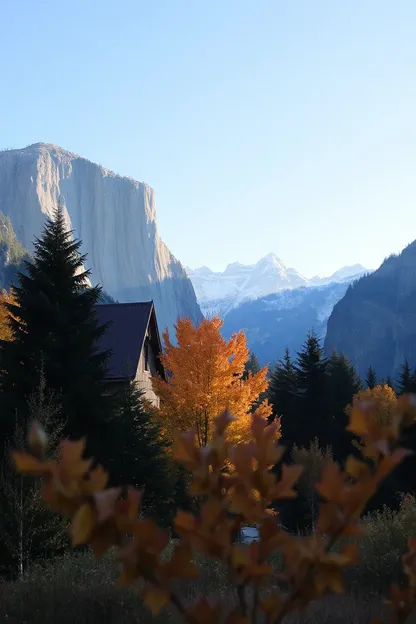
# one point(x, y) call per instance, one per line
point(206, 380)
point(83, 525)
point(156, 598)
point(284, 487)
point(27, 464)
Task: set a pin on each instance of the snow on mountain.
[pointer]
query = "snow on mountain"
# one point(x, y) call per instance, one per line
point(284, 319)
point(346, 273)
point(220, 292)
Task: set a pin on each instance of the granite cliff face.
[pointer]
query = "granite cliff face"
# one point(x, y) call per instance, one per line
point(114, 216)
point(375, 322)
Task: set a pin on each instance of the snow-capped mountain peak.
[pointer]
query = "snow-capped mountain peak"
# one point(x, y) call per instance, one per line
point(219, 292)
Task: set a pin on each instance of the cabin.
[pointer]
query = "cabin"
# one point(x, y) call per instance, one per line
point(132, 338)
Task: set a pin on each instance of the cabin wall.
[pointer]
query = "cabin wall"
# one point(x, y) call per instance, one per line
point(144, 377)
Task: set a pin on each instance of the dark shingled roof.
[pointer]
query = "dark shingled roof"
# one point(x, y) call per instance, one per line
point(125, 335)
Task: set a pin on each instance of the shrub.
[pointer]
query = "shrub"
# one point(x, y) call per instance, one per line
point(235, 486)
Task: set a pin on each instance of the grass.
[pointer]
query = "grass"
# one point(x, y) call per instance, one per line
point(77, 588)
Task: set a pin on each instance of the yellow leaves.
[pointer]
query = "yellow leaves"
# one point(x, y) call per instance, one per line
point(236, 487)
point(206, 379)
point(155, 598)
point(284, 487)
point(5, 329)
point(83, 525)
point(27, 464)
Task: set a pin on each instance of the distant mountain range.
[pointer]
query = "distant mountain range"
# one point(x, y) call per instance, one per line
point(275, 305)
point(284, 319)
point(221, 292)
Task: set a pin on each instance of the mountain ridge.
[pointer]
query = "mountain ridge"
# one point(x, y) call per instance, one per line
point(221, 291)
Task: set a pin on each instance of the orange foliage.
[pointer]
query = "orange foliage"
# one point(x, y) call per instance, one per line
point(312, 567)
point(384, 399)
point(5, 331)
point(205, 377)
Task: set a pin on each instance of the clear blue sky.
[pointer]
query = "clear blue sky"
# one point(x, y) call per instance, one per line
point(263, 126)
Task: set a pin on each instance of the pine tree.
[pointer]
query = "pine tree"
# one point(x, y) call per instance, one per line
point(312, 417)
point(405, 383)
point(145, 462)
point(252, 365)
point(343, 384)
point(282, 392)
point(28, 529)
point(371, 379)
point(55, 327)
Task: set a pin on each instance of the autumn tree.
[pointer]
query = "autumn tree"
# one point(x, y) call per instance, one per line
point(384, 405)
point(205, 376)
point(252, 365)
point(384, 398)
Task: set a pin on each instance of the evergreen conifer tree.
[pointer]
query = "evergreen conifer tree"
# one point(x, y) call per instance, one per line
point(282, 393)
point(371, 379)
point(252, 365)
point(343, 383)
point(405, 383)
point(312, 416)
point(55, 329)
point(145, 461)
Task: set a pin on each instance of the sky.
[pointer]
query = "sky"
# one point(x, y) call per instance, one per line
point(284, 126)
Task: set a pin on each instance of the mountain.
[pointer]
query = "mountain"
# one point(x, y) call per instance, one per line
point(220, 292)
point(283, 319)
point(12, 253)
point(342, 275)
point(114, 216)
point(375, 322)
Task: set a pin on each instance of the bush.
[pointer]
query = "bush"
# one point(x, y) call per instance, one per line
point(236, 486)
point(383, 545)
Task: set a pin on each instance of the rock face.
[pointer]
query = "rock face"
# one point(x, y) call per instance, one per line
point(114, 216)
point(375, 322)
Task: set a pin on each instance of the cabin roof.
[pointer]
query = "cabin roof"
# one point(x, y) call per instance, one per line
point(125, 334)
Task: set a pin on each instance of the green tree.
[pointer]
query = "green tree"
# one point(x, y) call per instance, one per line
point(371, 379)
point(55, 327)
point(343, 384)
point(406, 381)
point(312, 416)
point(146, 461)
point(252, 365)
point(282, 393)
point(313, 459)
point(28, 529)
